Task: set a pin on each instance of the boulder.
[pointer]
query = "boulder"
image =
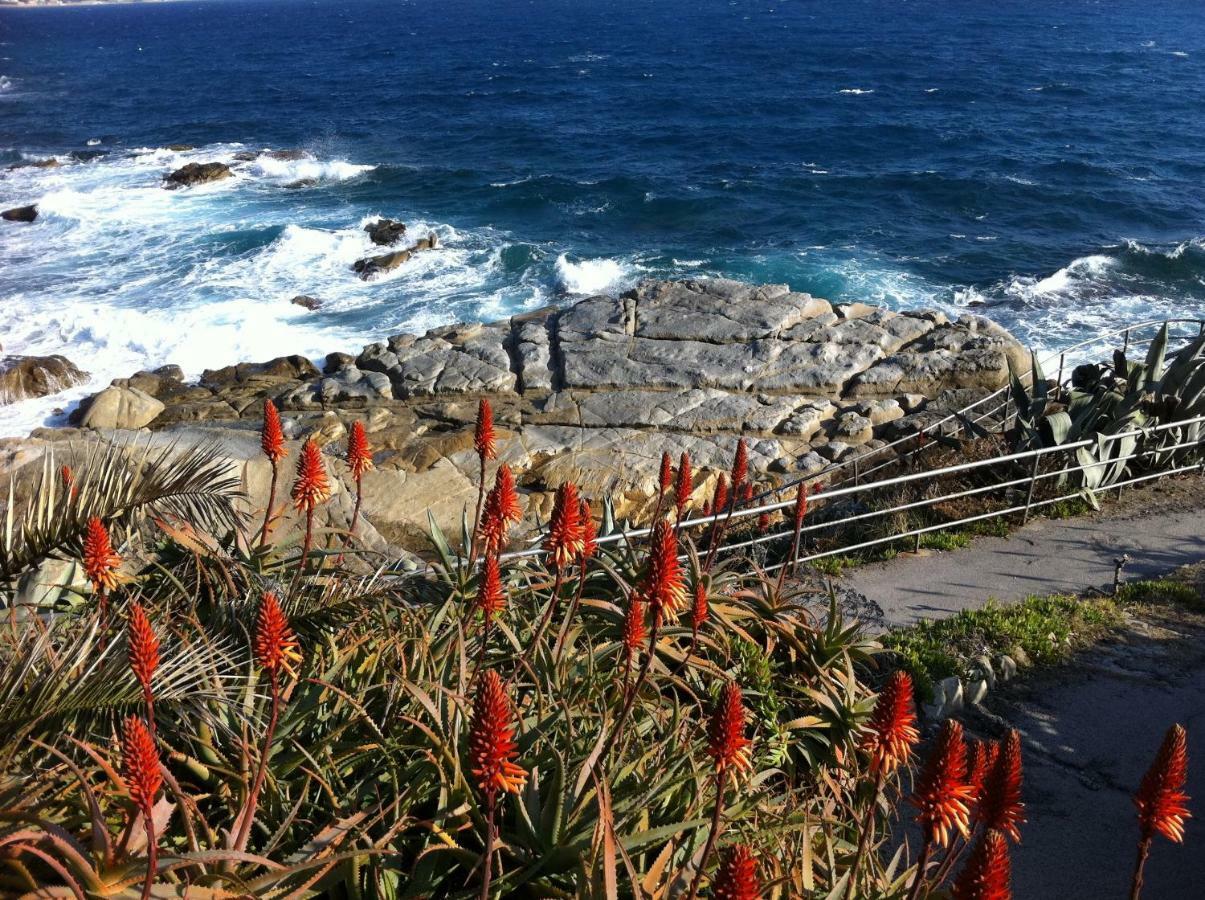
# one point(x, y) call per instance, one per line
point(121, 407)
point(374, 265)
point(385, 232)
point(51, 163)
point(180, 148)
point(25, 377)
point(301, 184)
point(288, 155)
point(20, 214)
point(197, 173)
point(307, 302)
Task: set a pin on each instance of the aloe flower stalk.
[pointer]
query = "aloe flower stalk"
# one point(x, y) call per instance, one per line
point(140, 769)
point(100, 565)
point(276, 650)
point(359, 461)
point(491, 599)
point(942, 797)
point(988, 871)
point(683, 487)
point(729, 750)
point(311, 488)
point(143, 657)
point(736, 878)
point(492, 754)
point(1000, 807)
point(485, 442)
point(699, 611)
point(665, 482)
point(272, 442)
point(502, 509)
point(1161, 800)
point(589, 549)
point(800, 511)
point(563, 545)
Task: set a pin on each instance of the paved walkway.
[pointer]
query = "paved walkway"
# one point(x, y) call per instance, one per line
point(1044, 557)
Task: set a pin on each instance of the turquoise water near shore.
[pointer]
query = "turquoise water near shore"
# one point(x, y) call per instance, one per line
point(1038, 161)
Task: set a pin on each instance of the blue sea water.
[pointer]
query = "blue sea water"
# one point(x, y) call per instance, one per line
point(1044, 158)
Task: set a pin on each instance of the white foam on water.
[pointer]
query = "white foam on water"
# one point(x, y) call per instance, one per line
point(6, 83)
point(856, 91)
point(592, 276)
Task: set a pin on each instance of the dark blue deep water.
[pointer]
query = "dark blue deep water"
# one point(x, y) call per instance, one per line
point(1044, 158)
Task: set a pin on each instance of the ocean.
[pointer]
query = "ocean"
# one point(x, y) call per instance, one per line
point(1039, 161)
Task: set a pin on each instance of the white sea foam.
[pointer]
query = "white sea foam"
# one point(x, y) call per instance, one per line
point(287, 171)
point(1179, 53)
point(591, 276)
point(6, 83)
point(856, 91)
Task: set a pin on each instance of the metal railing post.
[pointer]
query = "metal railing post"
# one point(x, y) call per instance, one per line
point(1033, 480)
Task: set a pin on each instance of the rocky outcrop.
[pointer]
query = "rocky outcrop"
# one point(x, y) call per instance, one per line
point(50, 163)
point(595, 392)
point(25, 377)
point(121, 408)
point(20, 214)
point(385, 232)
point(307, 302)
point(372, 266)
point(196, 173)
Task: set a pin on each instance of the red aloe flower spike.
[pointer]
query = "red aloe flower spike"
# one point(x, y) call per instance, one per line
point(981, 760)
point(683, 486)
point(706, 508)
point(1000, 808)
point(664, 586)
point(942, 793)
point(359, 452)
point(665, 478)
point(485, 442)
point(276, 647)
point(491, 598)
point(891, 732)
point(493, 524)
point(589, 530)
point(492, 746)
point(565, 537)
point(1161, 800)
point(726, 741)
point(140, 765)
point(143, 656)
point(763, 523)
point(312, 486)
point(987, 873)
point(736, 878)
point(801, 504)
point(634, 630)
point(700, 609)
point(69, 484)
point(720, 501)
point(271, 436)
point(740, 465)
point(100, 560)
point(747, 492)
point(508, 498)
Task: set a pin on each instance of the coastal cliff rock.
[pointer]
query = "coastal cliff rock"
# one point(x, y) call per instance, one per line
point(595, 392)
point(385, 232)
point(121, 408)
point(20, 214)
point(23, 377)
point(196, 173)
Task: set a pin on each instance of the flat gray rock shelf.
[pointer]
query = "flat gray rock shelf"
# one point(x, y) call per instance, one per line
point(595, 391)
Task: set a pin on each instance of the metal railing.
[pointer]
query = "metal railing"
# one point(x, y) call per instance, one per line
point(847, 478)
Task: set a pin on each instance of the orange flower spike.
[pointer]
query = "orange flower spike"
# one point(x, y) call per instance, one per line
point(740, 465)
point(891, 732)
point(1161, 800)
point(683, 486)
point(485, 442)
point(276, 647)
point(140, 764)
point(312, 486)
point(100, 560)
point(492, 746)
point(736, 878)
point(634, 630)
point(565, 537)
point(589, 530)
point(726, 741)
point(664, 584)
point(69, 484)
point(1000, 807)
point(763, 523)
point(801, 504)
point(144, 646)
point(508, 498)
point(942, 795)
point(706, 508)
point(665, 479)
point(271, 436)
point(720, 502)
point(491, 598)
point(988, 871)
point(700, 609)
point(359, 452)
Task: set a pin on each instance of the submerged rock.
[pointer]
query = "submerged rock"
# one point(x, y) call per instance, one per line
point(25, 377)
point(20, 214)
point(306, 301)
point(197, 173)
point(50, 163)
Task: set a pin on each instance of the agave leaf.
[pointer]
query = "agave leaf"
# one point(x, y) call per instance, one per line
point(1155, 356)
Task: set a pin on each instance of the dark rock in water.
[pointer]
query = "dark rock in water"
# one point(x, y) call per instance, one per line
point(180, 148)
point(51, 163)
point(305, 300)
point(336, 362)
point(24, 377)
point(20, 214)
point(301, 183)
point(87, 155)
point(288, 155)
point(430, 242)
point(374, 265)
point(197, 173)
point(385, 232)
point(246, 155)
